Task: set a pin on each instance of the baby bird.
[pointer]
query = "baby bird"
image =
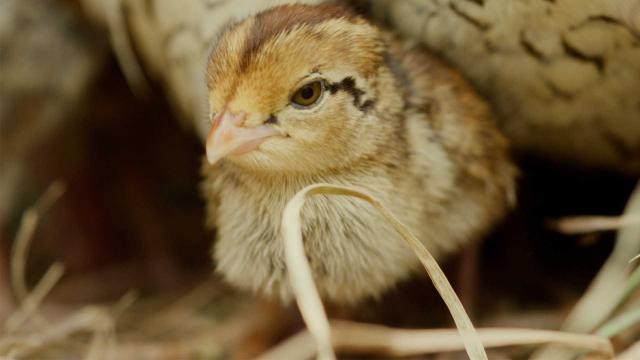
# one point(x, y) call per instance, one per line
point(300, 94)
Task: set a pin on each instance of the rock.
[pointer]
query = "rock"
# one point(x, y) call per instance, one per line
point(563, 76)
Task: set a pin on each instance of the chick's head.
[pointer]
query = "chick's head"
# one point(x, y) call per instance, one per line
point(296, 89)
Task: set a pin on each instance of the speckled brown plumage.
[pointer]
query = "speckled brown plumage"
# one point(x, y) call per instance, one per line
point(392, 119)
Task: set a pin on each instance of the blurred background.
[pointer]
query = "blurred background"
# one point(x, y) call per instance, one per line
point(105, 97)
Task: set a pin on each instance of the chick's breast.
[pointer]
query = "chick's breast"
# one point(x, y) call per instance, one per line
point(383, 116)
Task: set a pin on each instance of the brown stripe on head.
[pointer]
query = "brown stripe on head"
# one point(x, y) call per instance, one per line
point(268, 24)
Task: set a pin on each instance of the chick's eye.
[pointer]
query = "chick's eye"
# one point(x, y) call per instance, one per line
point(308, 94)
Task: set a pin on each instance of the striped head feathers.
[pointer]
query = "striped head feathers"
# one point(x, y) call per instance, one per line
point(296, 89)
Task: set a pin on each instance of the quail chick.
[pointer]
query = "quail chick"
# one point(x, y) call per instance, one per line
point(300, 94)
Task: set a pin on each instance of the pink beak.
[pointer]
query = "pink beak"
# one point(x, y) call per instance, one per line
point(228, 137)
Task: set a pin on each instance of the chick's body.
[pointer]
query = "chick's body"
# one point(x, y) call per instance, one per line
point(388, 118)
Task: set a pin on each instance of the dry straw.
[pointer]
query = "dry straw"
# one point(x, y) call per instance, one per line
point(307, 294)
point(388, 342)
point(611, 287)
point(26, 331)
point(343, 336)
point(394, 342)
point(586, 224)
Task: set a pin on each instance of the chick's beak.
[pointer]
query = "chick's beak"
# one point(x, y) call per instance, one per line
point(228, 137)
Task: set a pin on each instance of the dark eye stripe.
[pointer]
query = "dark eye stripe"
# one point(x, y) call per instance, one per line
point(272, 119)
point(348, 85)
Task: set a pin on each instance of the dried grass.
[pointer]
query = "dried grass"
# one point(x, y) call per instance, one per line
point(619, 323)
point(392, 342)
point(611, 287)
point(111, 14)
point(18, 343)
point(26, 230)
point(586, 224)
point(29, 303)
point(307, 295)
point(632, 353)
point(355, 338)
point(27, 332)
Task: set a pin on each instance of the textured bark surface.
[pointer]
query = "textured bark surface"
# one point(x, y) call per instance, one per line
point(563, 75)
